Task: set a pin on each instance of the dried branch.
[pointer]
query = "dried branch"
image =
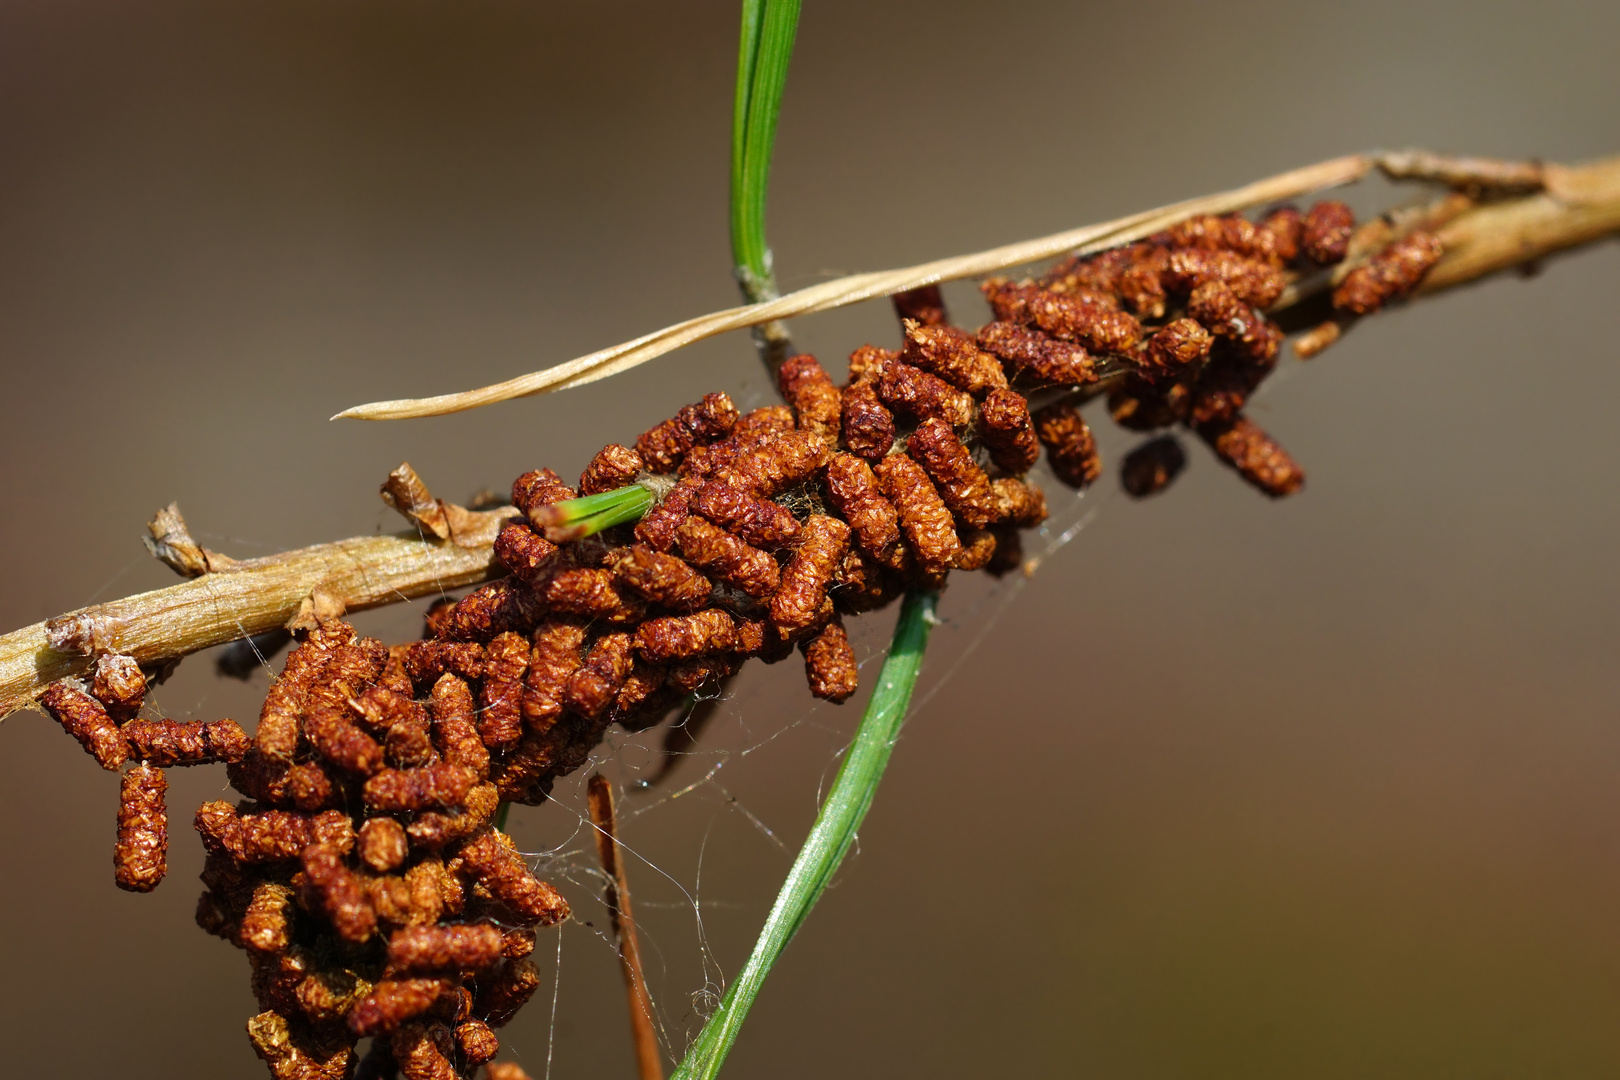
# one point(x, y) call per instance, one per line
point(1575, 200)
point(599, 796)
point(239, 599)
point(1483, 233)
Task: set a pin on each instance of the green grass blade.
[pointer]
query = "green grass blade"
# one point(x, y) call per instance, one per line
point(768, 30)
point(753, 17)
point(830, 838)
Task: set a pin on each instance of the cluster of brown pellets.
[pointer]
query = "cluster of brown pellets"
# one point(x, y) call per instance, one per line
point(365, 877)
point(1174, 330)
point(364, 874)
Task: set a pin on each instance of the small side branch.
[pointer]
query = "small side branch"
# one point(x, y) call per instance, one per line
point(599, 794)
point(247, 598)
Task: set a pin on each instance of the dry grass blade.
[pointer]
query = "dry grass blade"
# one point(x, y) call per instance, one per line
point(859, 287)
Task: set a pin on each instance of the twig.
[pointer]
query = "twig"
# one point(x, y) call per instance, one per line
point(1581, 204)
point(247, 598)
point(599, 796)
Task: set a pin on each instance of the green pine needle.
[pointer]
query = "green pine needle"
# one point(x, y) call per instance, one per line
point(830, 838)
point(575, 519)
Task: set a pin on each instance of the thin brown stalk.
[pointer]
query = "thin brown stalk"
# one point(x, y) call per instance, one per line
point(231, 600)
point(241, 599)
point(599, 796)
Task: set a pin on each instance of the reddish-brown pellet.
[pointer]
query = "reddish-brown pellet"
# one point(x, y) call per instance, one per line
point(829, 664)
point(500, 697)
point(1389, 275)
point(639, 692)
point(1036, 356)
point(1174, 348)
point(1252, 281)
point(614, 466)
point(392, 1002)
point(501, 995)
point(1007, 430)
point(435, 829)
point(663, 448)
point(1095, 326)
point(1287, 228)
point(1152, 467)
point(330, 729)
point(1018, 503)
point(868, 425)
point(658, 527)
point(524, 552)
point(866, 363)
point(853, 489)
point(776, 462)
point(755, 520)
point(331, 888)
point(295, 1055)
point(553, 659)
point(507, 604)
point(680, 637)
point(279, 718)
point(1070, 446)
point(596, 682)
point(1325, 234)
point(917, 394)
point(925, 304)
point(1225, 386)
point(978, 548)
point(954, 356)
point(1227, 316)
point(455, 728)
point(421, 950)
point(490, 858)
point(658, 577)
point(1141, 281)
point(326, 996)
point(727, 557)
point(411, 900)
point(141, 855)
point(424, 1051)
point(86, 719)
point(1256, 456)
point(815, 400)
point(440, 784)
point(805, 579)
point(276, 783)
point(592, 593)
point(476, 1042)
point(266, 924)
point(382, 844)
point(542, 487)
point(269, 835)
point(925, 520)
point(949, 464)
point(119, 685)
point(171, 742)
point(1228, 231)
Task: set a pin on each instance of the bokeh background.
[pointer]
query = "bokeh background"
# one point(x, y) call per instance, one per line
point(1323, 788)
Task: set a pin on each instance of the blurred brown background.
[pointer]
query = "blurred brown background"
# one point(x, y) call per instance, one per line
point(1324, 788)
